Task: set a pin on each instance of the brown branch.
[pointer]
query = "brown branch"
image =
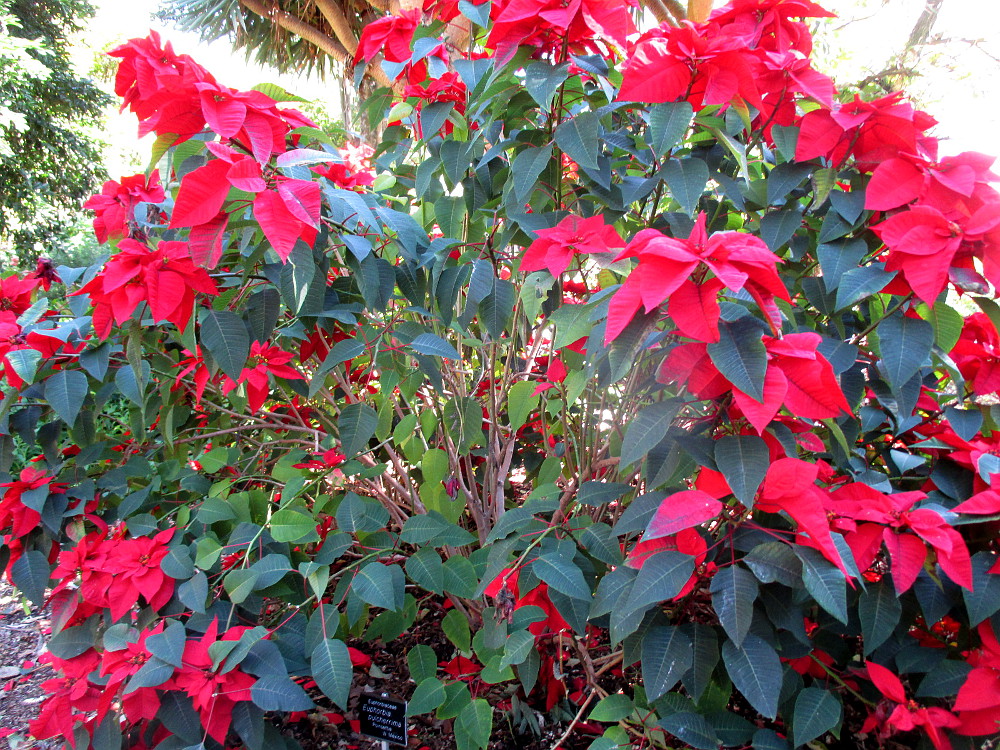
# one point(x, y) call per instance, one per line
point(334, 16)
point(699, 10)
point(311, 34)
point(659, 11)
point(676, 10)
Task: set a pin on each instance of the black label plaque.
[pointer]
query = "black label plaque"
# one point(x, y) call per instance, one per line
point(383, 719)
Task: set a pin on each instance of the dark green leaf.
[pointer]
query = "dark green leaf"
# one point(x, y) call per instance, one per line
point(816, 711)
point(740, 356)
point(431, 345)
point(743, 461)
point(667, 125)
point(526, 168)
point(859, 283)
point(879, 610)
point(905, 345)
point(666, 656)
point(777, 227)
point(277, 693)
point(775, 561)
point(562, 575)
point(984, 599)
point(380, 585)
point(542, 80)
point(647, 429)
point(225, 336)
point(30, 573)
point(65, 391)
point(332, 670)
point(756, 672)
point(824, 581)
point(422, 662)
point(783, 179)
point(578, 137)
point(734, 590)
point(662, 577)
point(692, 729)
point(598, 493)
point(356, 425)
point(686, 179)
point(497, 308)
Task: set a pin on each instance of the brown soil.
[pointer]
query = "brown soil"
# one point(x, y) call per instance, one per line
point(22, 641)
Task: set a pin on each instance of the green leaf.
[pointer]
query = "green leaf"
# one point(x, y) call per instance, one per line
point(425, 569)
point(947, 323)
point(277, 693)
point(456, 629)
point(596, 494)
point(734, 590)
point(756, 672)
point(521, 401)
point(777, 227)
point(428, 696)
point(740, 356)
point(775, 561)
point(879, 610)
point(824, 581)
point(474, 725)
point(667, 125)
point(646, 430)
point(24, 362)
point(332, 670)
point(497, 308)
point(578, 137)
point(225, 337)
point(422, 663)
point(859, 283)
point(30, 573)
point(612, 708)
point(816, 711)
point(380, 585)
point(783, 179)
point(517, 647)
point(743, 461)
point(239, 584)
point(692, 729)
point(65, 391)
point(905, 345)
point(666, 656)
point(356, 425)
point(837, 258)
point(526, 168)
point(542, 80)
point(450, 213)
point(293, 525)
point(662, 577)
point(562, 575)
point(984, 599)
point(686, 179)
point(435, 346)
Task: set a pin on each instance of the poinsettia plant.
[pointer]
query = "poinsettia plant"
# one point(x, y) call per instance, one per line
point(635, 354)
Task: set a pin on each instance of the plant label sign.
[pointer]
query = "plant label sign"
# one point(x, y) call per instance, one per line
point(383, 719)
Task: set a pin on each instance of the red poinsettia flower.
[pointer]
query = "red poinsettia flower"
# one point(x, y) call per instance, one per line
point(790, 486)
point(114, 207)
point(558, 26)
point(390, 35)
point(978, 700)
point(166, 279)
point(554, 248)
point(18, 517)
point(870, 131)
point(906, 714)
point(15, 294)
point(737, 260)
point(874, 518)
point(265, 360)
point(213, 693)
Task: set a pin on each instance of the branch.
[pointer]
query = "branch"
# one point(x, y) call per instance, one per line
point(659, 11)
point(334, 16)
point(311, 34)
